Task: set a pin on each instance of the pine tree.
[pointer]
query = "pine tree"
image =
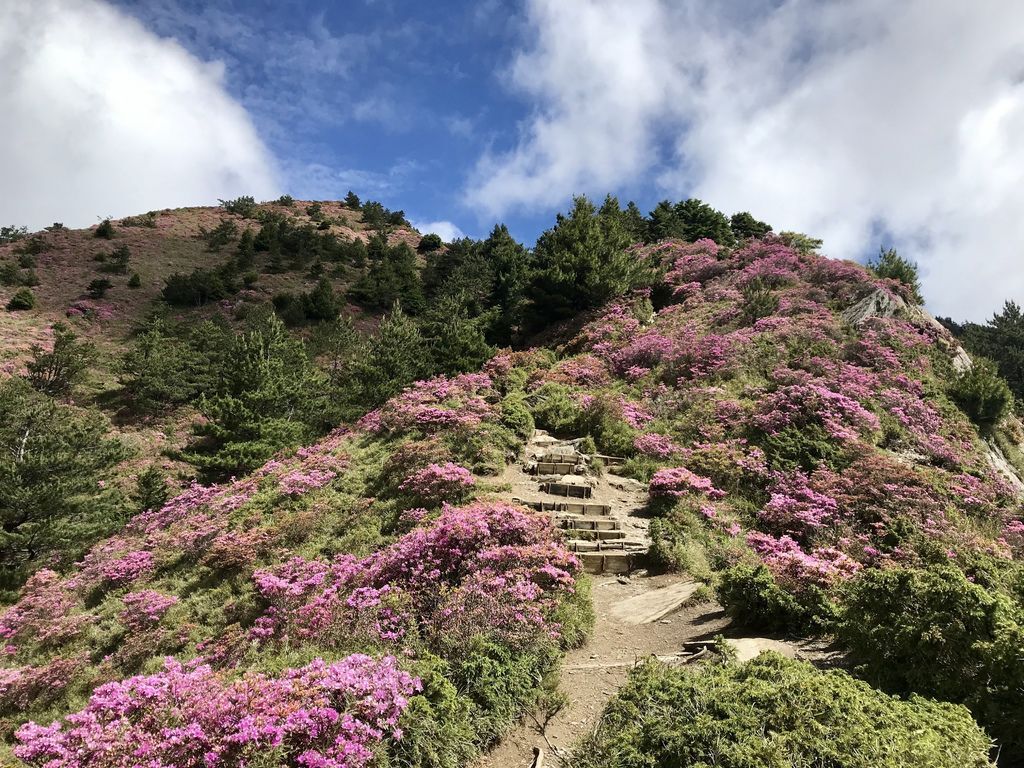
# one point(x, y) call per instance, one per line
point(57, 372)
point(581, 263)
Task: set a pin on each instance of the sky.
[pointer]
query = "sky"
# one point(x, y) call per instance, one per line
point(867, 123)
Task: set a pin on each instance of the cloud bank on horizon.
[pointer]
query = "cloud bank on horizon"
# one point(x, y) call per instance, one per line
point(864, 122)
point(103, 118)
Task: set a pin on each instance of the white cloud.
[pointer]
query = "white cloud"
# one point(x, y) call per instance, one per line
point(102, 117)
point(445, 229)
point(838, 119)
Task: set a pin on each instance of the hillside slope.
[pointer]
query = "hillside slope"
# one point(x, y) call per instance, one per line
point(805, 436)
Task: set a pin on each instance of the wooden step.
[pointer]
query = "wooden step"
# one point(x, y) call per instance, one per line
point(613, 563)
point(567, 489)
point(572, 507)
point(589, 524)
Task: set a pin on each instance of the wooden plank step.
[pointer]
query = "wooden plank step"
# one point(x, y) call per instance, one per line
point(589, 523)
point(654, 605)
point(613, 563)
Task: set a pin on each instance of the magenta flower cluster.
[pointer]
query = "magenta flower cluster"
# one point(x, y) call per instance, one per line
point(318, 716)
point(486, 567)
point(438, 483)
point(145, 608)
point(680, 481)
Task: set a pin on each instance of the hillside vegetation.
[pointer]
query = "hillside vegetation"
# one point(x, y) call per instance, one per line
point(251, 514)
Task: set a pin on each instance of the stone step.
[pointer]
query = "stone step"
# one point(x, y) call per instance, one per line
point(588, 523)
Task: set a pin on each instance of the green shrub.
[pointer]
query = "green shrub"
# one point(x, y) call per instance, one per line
point(890, 265)
point(117, 262)
point(554, 410)
point(145, 220)
point(758, 301)
point(244, 206)
point(429, 243)
point(286, 200)
point(218, 237)
point(23, 298)
point(105, 229)
point(935, 633)
point(982, 393)
point(352, 200)
point(751, 597)
point(98, 288)
point(515, 414)
point(135, 281)
point(774, 713)
point(12, 234)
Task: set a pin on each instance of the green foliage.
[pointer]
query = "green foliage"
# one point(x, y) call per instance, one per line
point(352, 200)
point(98, 288)
point(554, 409)
point(12, 234)
point(751, 597)
point(218, 237)
point(394, 358)
point(376, 216)
point(430, 242)
point(516, 416)
point(268, 397)
point(319, 305)
point(23, 298)
point(690, 220)
point(200, 286)
point(135, 281)
point(105, 229)
point(145, 220)
point(581, 263)
point(935, 633)
point(117, 262)
point(11, 274)
point(982, 393)
point(772, 712)
point(746, 227)
point(890, 265)
point(457, 341)
point(151, 491)
point(799, 241)
point(391, 275)
point(501, 683)
point(53, 458)
point(315, 211)
point(244, 206)
point(758, 301)
point(286, 200)
point(58, 371)
point(1001, 340)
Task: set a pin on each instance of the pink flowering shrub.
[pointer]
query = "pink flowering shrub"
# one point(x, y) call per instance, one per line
point(431, 406)
point(297, 482)
point(319, 716)
point(145, 608)
point(795, 568)
point(491, 566)
point(655, 445)
point(679, 481)
point(437, 483)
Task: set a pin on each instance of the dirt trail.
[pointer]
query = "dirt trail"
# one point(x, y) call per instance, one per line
point(637, 615)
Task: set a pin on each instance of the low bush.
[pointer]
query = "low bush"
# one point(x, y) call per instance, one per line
point(774, 713)
point(933, 632)
point(982, 393)
point(105, 229)
point(22, 299)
